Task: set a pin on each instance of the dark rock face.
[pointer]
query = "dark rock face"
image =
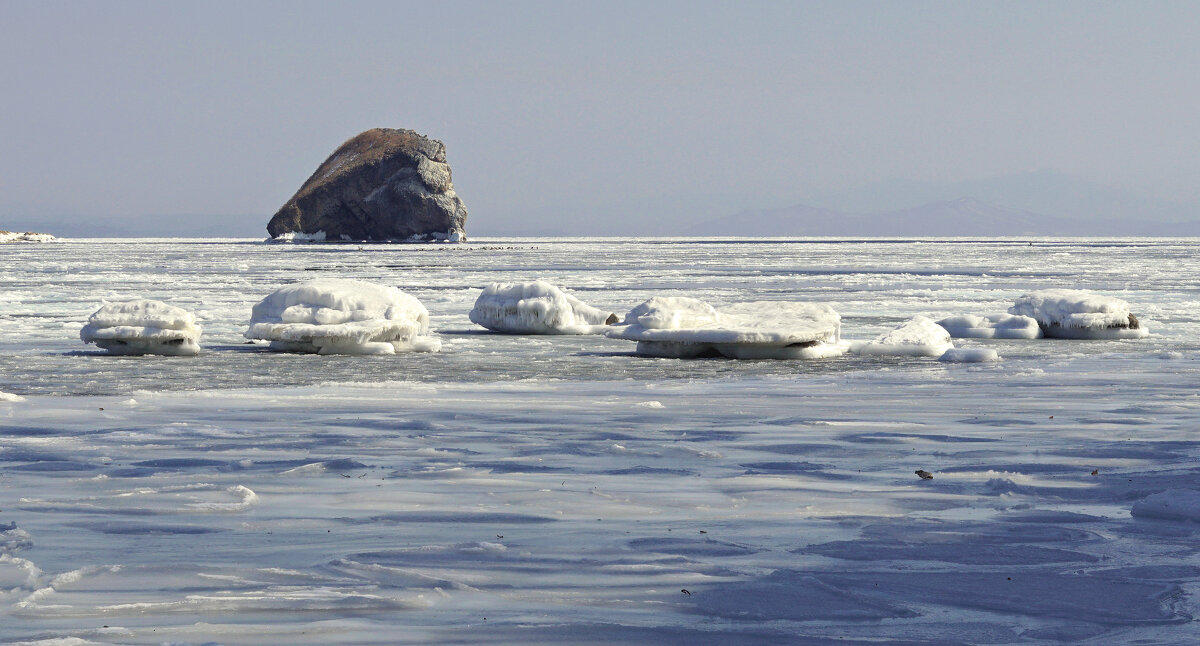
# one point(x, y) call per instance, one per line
point(383, 184)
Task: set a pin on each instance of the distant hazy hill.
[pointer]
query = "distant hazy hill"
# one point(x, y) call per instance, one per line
point(1044, 191)
point(961, 217)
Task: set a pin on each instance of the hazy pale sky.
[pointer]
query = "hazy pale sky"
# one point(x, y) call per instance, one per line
point(561, 111)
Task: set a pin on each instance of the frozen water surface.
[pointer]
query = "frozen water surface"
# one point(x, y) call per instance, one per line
point(563, 490)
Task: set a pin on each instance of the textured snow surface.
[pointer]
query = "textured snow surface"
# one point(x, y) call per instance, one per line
point(684, 327)
point(562, 490)
point(1071, 313)
point(919, 337)
point(143, 327)
point(337, 316)
point(536, 308)
point(996, 326)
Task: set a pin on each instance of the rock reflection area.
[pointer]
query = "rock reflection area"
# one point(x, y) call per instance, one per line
point(563, 490)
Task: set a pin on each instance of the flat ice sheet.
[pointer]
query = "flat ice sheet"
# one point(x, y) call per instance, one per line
point(560, 489)
point(378, 514)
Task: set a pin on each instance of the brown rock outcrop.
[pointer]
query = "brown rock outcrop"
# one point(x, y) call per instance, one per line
point(382, 185)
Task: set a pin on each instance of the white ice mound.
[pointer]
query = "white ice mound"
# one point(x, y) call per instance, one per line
point(920, 337)
point(1074, 314)
point(536, 308)
point(969, 355)
point(681, 327)
point(1172, 504)
point(143, 327)
point(335, 316)
point(997, 326)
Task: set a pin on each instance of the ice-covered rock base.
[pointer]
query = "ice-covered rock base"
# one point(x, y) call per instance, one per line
point(1074, 314)
point(686, 328)
point(143, 327)
point(537, 308)
point(335, 316)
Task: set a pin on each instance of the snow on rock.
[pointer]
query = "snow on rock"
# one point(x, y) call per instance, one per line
point(1172, 504)
point(143, 327)
point(681, 327)
point(299, 236)
point(1074, 314)
point(969, 355)
point(920, 337)
point(537, 308)
point(28, 236)
point(997, 326)
point(337, 316)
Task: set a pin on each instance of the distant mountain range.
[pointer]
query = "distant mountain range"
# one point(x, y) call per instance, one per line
point(961, 217)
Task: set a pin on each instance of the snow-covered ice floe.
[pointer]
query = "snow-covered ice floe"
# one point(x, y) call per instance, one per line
point(537, 308)
point(996, 326)
point(28, 236)
point(1074, 314)
point(143, 327)
point(920, 337)
point(337, 316)
point(682, 327)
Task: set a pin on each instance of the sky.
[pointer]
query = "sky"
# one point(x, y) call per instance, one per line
point(582, 116)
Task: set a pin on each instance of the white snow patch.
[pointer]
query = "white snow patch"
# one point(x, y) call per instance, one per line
point(1074, 314)
point(336, 316)
point(920, 337)
point(300, 236)
point(1172, 504)
point(536, 308)
point(682, 327)
point(143, 327)
point(969, 355)
point(9, 397)
point(996, 326)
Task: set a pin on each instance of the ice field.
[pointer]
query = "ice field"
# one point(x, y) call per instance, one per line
point(561, 489)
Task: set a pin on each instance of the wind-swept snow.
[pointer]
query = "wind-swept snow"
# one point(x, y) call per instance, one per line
point(920, 337)
point(336, 316)
point(143, 327)
point(1075, 314)
point(682, 327)
point(536, 308)
point(996, 326)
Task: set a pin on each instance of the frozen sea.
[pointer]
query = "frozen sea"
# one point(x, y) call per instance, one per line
point(515, 489)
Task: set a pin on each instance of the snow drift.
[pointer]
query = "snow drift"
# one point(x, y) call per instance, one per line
point(996, 326)
point(682, 327)
point(143, 327)
point(920, 337)
point(536, 308)
point(336, 316)
point(1074, 314)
